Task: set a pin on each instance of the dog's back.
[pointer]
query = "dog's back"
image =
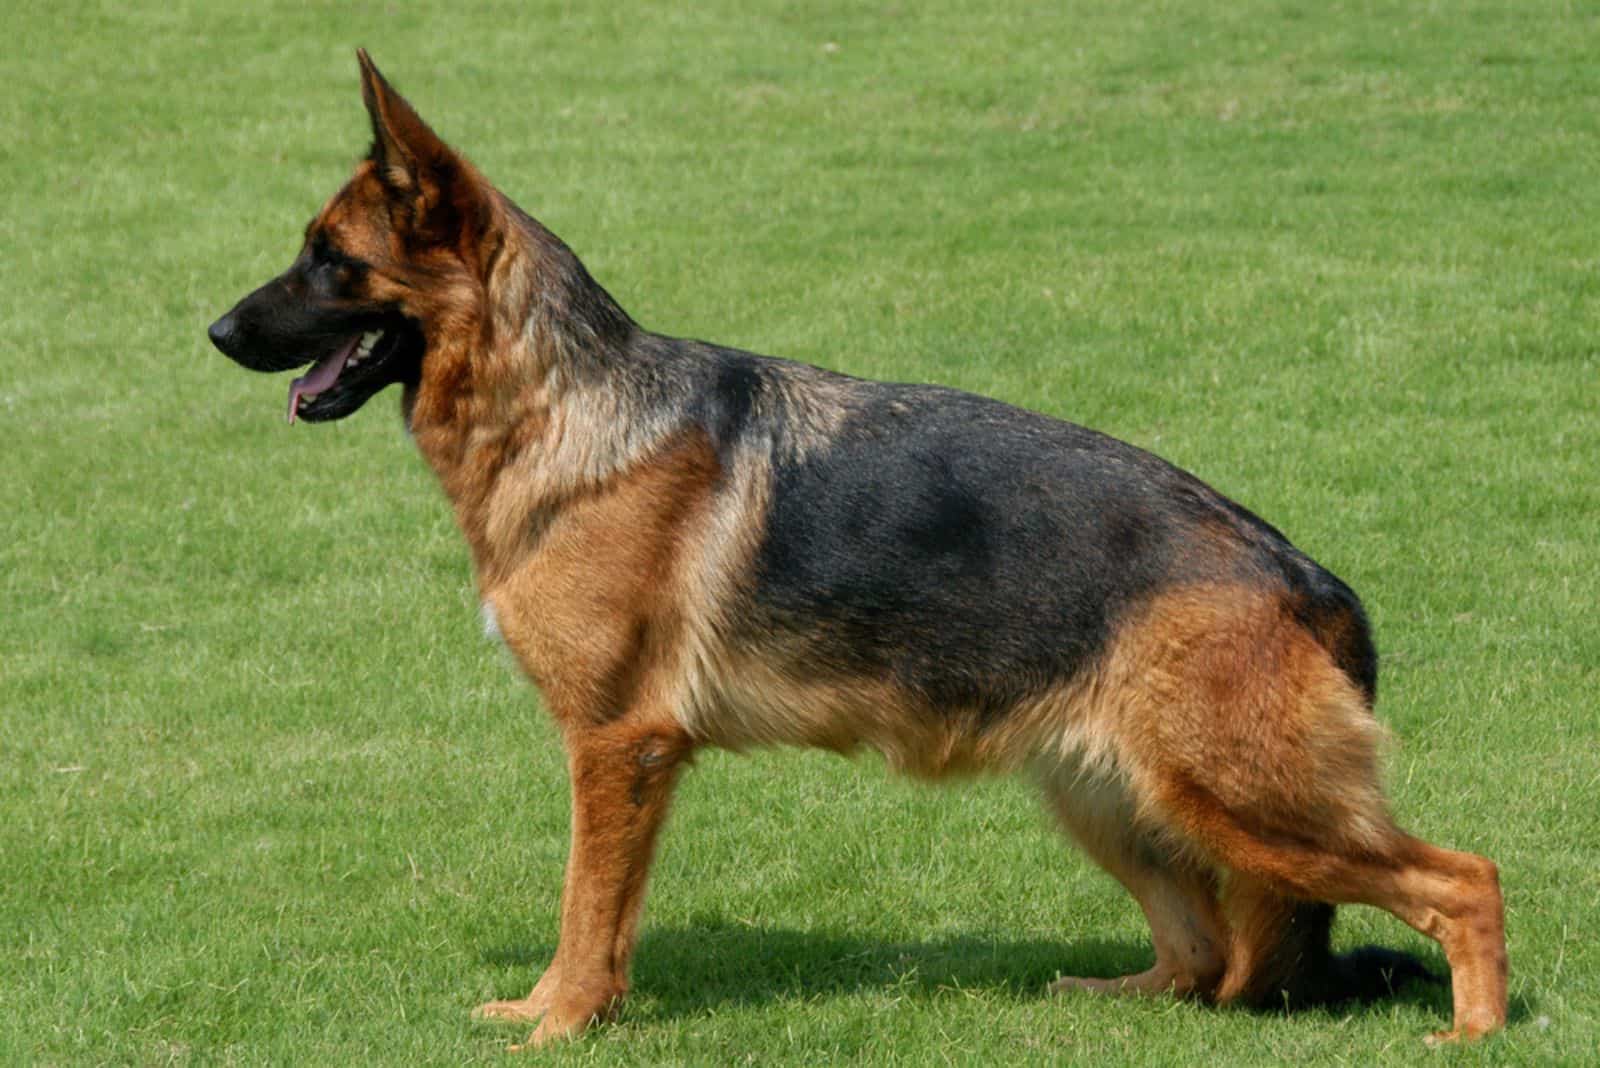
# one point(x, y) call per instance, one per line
point(971, 554)
point(977, 553)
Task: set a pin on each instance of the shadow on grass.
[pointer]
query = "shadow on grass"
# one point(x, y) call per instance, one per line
point(688, 970)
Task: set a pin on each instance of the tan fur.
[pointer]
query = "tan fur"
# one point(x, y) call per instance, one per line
point(1177, 895)
point(1241, 745)
point(594, 614)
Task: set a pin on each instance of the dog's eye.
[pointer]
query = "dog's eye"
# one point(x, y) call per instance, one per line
point(321, 276)
point(326, 274)
point(329, 270)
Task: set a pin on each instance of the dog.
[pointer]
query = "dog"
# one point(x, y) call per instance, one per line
point(687, 545)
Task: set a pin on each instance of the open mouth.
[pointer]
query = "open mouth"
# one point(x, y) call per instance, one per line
point(341, 381)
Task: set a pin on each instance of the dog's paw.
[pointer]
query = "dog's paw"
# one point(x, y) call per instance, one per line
point(523, 1010)
point(1072, 984)
point(567, 1018)
point(550, 1030)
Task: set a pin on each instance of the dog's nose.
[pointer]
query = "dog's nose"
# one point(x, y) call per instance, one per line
point(222, 333)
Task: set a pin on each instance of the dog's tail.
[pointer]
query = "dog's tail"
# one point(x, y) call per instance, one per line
point(1300, 970)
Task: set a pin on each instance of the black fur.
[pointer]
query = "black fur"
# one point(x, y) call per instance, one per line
point(976, 552)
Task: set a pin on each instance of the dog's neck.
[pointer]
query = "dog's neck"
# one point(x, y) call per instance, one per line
point(523, 401)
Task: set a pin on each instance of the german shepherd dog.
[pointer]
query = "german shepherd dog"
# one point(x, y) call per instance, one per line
point(687, 545)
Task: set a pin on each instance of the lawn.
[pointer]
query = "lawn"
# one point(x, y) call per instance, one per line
point(267, 796)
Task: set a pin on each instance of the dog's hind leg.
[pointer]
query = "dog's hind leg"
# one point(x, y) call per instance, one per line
point(622, 776)
point(1179, 900)
point(1261, 753)
point(1451, 897)
point(1267, 957)
point(1280, 953)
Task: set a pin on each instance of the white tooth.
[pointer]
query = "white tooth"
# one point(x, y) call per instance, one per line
point(368, 340)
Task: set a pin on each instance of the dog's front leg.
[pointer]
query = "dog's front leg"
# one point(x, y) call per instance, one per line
point(622, 776)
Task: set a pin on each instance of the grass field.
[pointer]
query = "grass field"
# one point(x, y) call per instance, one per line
point(268, 797)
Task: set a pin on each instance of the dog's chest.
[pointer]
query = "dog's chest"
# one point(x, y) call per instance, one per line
point(594, 608)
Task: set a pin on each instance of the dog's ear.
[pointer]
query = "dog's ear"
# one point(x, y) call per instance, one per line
point(433, 192)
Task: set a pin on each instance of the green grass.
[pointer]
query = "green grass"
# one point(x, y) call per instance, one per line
point(266, 796)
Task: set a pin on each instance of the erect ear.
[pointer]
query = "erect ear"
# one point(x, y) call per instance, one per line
point(433, 191)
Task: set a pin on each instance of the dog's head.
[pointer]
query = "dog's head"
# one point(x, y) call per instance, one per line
point(396, 251)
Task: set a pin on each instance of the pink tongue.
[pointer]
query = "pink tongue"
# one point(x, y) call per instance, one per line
point(321, 376)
